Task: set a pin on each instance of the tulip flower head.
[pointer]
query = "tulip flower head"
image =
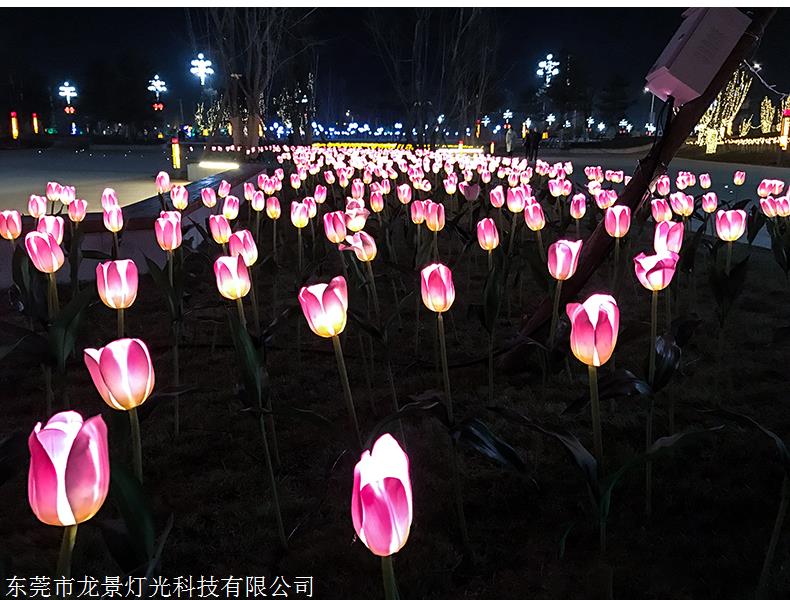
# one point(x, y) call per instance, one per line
point(381, 499)
point(710, 202)
point(113, 218)
point(660, 210)
point(704, 181)
point(233, 278)
point(258, 202)
point(768, 206)
point(534, 217)
point(325, 307)
point(730, 224)
point(434, 216)
point(655, 271)
point(224, 189)
point(10, 224)
point(44, 251)
point(67, 194)
point(404, 193)
point(335, 226)
point(230, 208)
point(209, 197)
point(668, 237)
point(220, 229)
point(682, 204)
point(739, 177)
point(563, 258)
point(116, 281)
point(300, 214)
point(179, 196)
point(662, 185)
point(436, 286)
point(241, 243)
point(363, 245)
point(162, 183)
point(249, 190)
point(578, 207)
point(108, 198)
point(418, 212)
point(53, 191)
point(37, 206)
point(617, 220)
point(122, 372)
point(273, 208)
point(69, 474)
point(487, 234)
point(77, 210)
point(594, 327)
point(497, 197)
point(168, 231)
point(320, 194)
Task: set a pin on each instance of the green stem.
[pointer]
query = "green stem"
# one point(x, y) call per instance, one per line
point(115, 249)
point(578, 232)
point(137, 445)
point(390, 586)
point(541, 249)
point(256, 319)
point(272, 481)
point(373, 291)
point(49, 395)
point(596, 417)
point(53, 304)
point(513, 228)
point(769, 555)
point(491, 368)
point(555, 316)
point(668, 306)
point(341, 367)
point(274, 240)
point(436, 246)
point(729, 258)
point(445, 368)
point(176, 380)
point(616, 270)
point(242, 317)
point(63, 568)
point(651, 372)
point(121, 323)
point(299, 245)
point(490, 261)
point(649, 464)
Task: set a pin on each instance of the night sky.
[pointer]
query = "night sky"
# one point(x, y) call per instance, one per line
point(62, 43)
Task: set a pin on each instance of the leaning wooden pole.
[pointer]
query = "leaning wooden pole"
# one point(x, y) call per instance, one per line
point(598, 245)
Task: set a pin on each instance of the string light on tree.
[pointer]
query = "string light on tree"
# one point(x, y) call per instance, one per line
point(201, 68)
point(67, 91)
point(157, 86)
point(767, 114)
point(716, 123)
point(547, 69)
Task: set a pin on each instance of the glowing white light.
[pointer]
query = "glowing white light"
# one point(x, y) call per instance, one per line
point(67, 91)
point(547, 69)
point(398, 125)
point(529, 122)
point(567, 123)
point(486, 121)
point(217, 164)
point(440, 119)
point(550, 119)
point(157, 86)
point(201, 68)
point(507, 115)
point(590, 121)
point(651, 129)
point(601, 126)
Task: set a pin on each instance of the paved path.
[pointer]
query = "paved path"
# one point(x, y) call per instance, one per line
point(130, 172)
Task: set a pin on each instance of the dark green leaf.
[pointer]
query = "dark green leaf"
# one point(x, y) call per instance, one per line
point(667, 361)
point(476, 434)
point(64, 329)
point(427, 404)
point(621, 383)
point(134, 534)
point(250, 361)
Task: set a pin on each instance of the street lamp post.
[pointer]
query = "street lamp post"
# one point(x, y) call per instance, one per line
point(652, 106)
point(157, 86)
point(67, 91)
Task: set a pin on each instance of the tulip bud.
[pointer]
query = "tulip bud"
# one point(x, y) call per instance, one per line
point(122, 372)
point(224, 189)
point(418, 212)
point(44, 251)
point(113, 219)
point(655, 271)
point(436, 286)
point(233, 278)
point(376, 202)
point(594, 327)
point(381, 499)
point(77, 210)
point(220, 228)
point(768, 206)
point(209, 197)
point(168, 232)
point(10, 224)
point(730, 224)
point(258, 202)
point(617, 220)
point(116, 281)
point(782, 206)
point(273, 208)
point(230, 208)
point(739, 177)
point(704, 181)
point(320, 194)
point(296, 182)
point(335, 226)
point(662, 185)
point(660, 210)
point(668, 237)
point(325, 307)
point(682, 204)
point(108, 198)
point(363, 245)
point(249, 190)
point(242, 244)
point(67, 194)
point(710, 202)
point(312, 207)
point(69, 474)
point(487, 234)
point(563, 258)
point(162, 183)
